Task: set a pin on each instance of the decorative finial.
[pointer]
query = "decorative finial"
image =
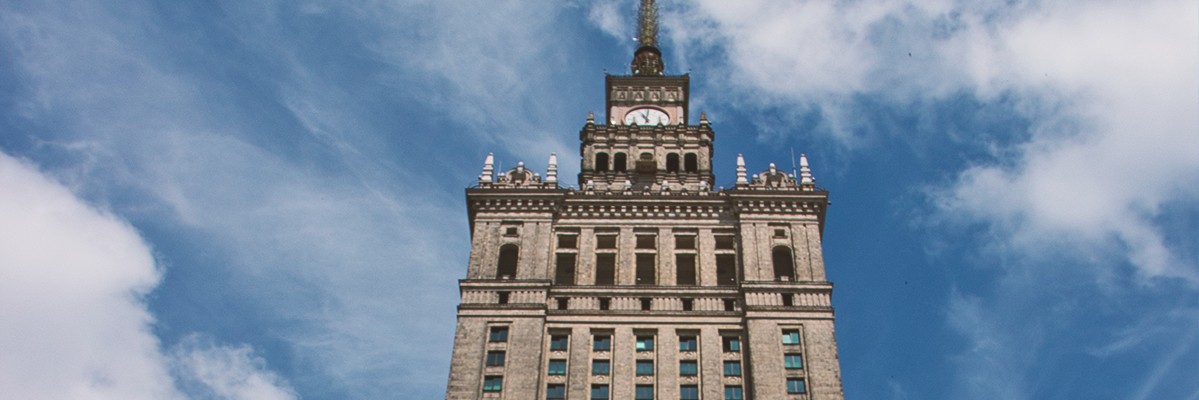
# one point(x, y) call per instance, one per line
point(742, 180)
point(551, 172)
point(703, 118)
point(488, 170)
point(590, 118)
point(806, 181)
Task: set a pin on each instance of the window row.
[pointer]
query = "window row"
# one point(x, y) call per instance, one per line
point(619, 162)
point(601, 342)
point(645, 269)
point(645, 392)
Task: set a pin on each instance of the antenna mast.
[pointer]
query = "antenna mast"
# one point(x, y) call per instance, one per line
point(647, 61)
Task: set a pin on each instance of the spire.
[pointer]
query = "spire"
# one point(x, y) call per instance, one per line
point(647, 24)
point(806, 181)
point(488, 169)
point(551, 172)
point(742, 180)
point(647, 61)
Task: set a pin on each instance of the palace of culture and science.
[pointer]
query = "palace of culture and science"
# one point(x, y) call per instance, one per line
point(645, 281)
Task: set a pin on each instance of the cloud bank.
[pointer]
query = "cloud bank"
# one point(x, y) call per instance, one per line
point(76, 325)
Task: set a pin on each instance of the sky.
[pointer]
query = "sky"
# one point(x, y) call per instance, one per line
point(264, 199)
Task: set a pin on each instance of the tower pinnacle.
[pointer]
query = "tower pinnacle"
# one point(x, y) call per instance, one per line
point(647, 60)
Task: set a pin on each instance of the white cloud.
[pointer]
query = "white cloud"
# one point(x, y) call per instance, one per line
point(73, 277)
point(224, 372)
point(75, 325)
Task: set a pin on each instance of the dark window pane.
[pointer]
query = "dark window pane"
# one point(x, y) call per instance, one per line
point(689, 392)
point(733, 393)
point(605, 269)
point(690, 163)
point(601, 162)
point(620, 163)
point(498, 334)
point(672, 162)
point(796, 385)
point(685, 263)
point(646, 274)
point(791, 336)
point(605, 241)
point(645, 367)
point(645, 392)
point(599, 392)
point(647, 242)
point(559, 342)
point(493, 383)
point(732, 343)
point(509, 256)
point(601, 367)
point(565, 272)
point(602, 343)
point(495, 358)
point(784, 265)
point(793, 361)
point(568, 241)
point(684, 242)
point(557, 367)
point(724, 242)
point(557, 391)
point(732, 368)
point(688, 368)
point(726, 269)
point(645, 343)
point(688, 343)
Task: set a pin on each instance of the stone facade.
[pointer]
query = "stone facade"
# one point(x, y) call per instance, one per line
point(645, 281)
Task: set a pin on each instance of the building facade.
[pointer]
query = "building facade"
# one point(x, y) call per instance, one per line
point(645, 282)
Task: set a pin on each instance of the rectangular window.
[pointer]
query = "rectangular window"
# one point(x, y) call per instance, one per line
point(645, 392)
point(557, 367)
point(791, 336)
point(726, 269)
point(647, 242)
point(498, 334)
point(731, 343)
point(796, 386)
point(688, 368)
point(493, 383)
point(605, 269)
point(646, 274)
point(495, 358)
point(559, 342)
point(599, 392)
point(601, 343)
point(564, 273)
point(684, 242)
point(605, 241)
point(733, 393)
point(732, 368)
point(601, 367)
point(645, 367)
point(555, 391)
point(568, 241)
point(689, 392)
point(793, 361)
point(645, 343)
point(688, 343)
point(724, 242)
point(685, 264)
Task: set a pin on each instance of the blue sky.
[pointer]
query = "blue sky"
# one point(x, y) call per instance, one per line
point(263, 199)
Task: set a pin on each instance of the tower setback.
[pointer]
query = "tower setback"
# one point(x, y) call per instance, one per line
point(645, 282)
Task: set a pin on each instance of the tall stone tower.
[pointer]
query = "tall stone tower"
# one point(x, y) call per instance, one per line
point(645, 282)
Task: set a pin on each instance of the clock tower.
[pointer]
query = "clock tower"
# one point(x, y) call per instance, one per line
point(646, 281)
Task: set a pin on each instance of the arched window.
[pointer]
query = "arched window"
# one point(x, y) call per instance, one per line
point(601, 162)
point(509, 255)
point(672, 162)
point(620, 162)
point(784, 265)
point(690, 163)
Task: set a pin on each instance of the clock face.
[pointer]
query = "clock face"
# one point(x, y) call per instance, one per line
point(646, 116)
